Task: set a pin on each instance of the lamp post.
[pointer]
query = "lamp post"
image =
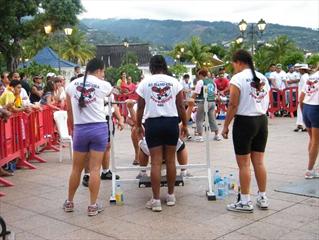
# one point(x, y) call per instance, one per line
point(67, 31)
point(253, 31)
point(126, 45)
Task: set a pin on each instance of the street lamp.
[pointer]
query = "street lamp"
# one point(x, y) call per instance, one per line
point(126, 45)
point(261, 26)
point(67, 31)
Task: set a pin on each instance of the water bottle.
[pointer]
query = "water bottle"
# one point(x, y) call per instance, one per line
point(119, 195)
point(220, 190)
point(232, 183)
point(217, 177)
point(226, 186)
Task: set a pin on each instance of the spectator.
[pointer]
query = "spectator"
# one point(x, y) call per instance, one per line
point(222, 83)
point(249, 100)
point(222, 72)
point(23, 93)
point(211, 97)
point(50, 76)
point(77, 71)
point(272, 68)
point(4, 82)
point(25, 83)
point(161, 97)
point(121, 84)
point(36, 89)
point(278, 78)
point(48, 96)
point(309, 99)
point(59, 92)
point(131, 88)
point(187, 86)
point(293, 77)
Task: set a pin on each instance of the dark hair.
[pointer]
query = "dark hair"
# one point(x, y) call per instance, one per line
point(76, 67)
point(245, 57)
point(49, 87)
point(80, 75)
point(158, 65)
point(14, 83)
point(186, 76)
point(203, 72)
point(93, 65)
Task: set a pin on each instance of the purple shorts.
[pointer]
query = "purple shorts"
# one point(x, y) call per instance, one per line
point(90, 136)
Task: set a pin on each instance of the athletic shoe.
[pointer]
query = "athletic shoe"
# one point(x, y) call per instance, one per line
point(304, 130)
point(217, 138)
point(143, 146)
point(189, 138)
point(94, 210)
point(297, 129)
point(170, 200)
point(108, 175)
point(311, 174)
point(185, 174)
point(262, 202)
point(68, 206)
point(85, 180)
point(240, 207)
point(141, 174)
point(154, 204)
point(198, 139)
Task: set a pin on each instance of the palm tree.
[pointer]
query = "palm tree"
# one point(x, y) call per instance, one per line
point(76, 48)
point(197, 53)
point(279, 47)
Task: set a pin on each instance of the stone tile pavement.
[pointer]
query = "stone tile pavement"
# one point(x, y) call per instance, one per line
point(32, 208)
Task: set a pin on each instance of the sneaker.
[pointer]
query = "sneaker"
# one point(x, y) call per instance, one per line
point(311, 174)
point(154, 204)
point(189, 138)
point(198, 139)
point(68, 206)
point(217, 138)
point(170, 200)
point(240, 207)
point(262, 202)
point(94, 210)
point(141, 174)
point(85, 180)
point(185, 174)
point(108, 175)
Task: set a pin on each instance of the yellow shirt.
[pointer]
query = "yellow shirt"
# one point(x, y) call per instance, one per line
point(7, 97)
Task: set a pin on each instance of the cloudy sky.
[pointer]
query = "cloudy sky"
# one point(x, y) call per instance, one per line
point(286, 12)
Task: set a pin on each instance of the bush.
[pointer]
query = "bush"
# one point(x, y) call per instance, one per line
point(37, 69)
point(113, 74)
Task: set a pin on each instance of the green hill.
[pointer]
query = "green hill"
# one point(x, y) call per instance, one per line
point(169, 32)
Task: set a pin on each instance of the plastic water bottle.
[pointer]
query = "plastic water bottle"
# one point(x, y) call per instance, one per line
point(119, 195)
point(220, 190)
point(217, 177)
point(226, 186)
point(232, 183)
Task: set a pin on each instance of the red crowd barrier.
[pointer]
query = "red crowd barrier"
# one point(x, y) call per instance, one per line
point(286, 99)
point(122, 107)
point(25, 133)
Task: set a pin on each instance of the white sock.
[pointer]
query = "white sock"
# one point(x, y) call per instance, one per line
point(262, 194)
point(245, 198)
point(184, 171)
point(105, 170)
point(170, 195)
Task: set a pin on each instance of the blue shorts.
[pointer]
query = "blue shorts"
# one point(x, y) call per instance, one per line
point(310, 115)
point(90, 136)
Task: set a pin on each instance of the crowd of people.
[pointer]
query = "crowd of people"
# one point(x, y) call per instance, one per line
point(159, 110)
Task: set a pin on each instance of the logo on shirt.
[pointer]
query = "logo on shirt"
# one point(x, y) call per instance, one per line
point(161, 92)
point(257, 94)
point(312, 87)
point(88, 93)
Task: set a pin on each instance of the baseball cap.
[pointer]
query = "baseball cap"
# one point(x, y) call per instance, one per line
point(278, 65)
point(50, 74)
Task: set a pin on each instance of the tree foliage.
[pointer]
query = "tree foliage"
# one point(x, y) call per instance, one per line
point(37, 69)
point(22, 19)
point(113, 74)
point(178, 70)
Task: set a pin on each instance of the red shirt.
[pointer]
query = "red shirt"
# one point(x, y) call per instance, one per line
point(132, 87)
point(221, 83)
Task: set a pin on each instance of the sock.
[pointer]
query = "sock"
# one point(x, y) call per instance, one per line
point(87, 174)
point(105, 170)
point(262, 194)
point(245, 198)
point(170, 195)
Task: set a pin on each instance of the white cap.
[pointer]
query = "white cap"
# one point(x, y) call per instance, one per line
point(50, 74)
point(304, 66)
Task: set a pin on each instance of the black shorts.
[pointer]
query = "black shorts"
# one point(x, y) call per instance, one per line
point(109, 129)
point(250, 134)
point(161, 131)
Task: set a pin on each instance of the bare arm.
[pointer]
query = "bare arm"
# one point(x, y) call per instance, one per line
point(301, 98)
point(182, 112)
point(232, 108)
point(139, 116)
point(118, 116)
point(69, 111)
point(35, 91)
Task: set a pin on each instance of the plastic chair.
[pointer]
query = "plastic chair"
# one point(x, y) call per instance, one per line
point(60, 118)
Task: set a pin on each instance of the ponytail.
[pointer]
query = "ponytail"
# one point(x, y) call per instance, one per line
point(245, 57)
point(81, 99)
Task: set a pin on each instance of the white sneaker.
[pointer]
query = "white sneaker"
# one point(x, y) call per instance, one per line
point(170, 200)
point(311, 174)
point(240, 207)
point(186, 174)
point(143, 145)
point(154, 204)
point(141, 174)
point(262, 202)
point(217, 138)
point(198, 139)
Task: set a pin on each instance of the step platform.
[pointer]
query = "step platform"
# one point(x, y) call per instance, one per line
point(145, 182)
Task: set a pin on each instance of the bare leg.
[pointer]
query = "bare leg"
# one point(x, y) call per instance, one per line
point(313, 148)
point(77, 167)
point(156, 163)
point(135, 139)
point(257, 159)
point(243, 162)
point(170, 152)
point(182, 157)
point(95, 166)
point(106, 157)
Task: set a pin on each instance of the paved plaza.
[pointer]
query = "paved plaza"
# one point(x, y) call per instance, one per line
point(33, 207)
